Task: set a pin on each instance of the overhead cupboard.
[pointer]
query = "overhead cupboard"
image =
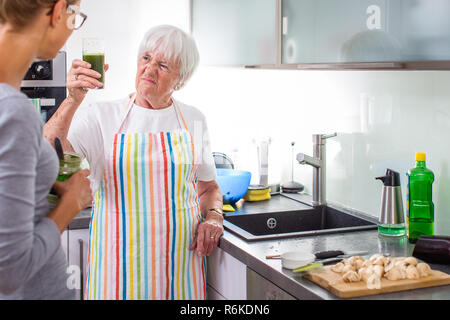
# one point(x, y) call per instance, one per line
point(323, 34)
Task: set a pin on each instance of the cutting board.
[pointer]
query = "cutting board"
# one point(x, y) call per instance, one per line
point(333, 282)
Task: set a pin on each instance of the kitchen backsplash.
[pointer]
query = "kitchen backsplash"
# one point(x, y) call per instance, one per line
point(382, 119)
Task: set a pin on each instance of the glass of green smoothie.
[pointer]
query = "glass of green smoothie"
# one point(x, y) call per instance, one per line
point(94, 53)
point(67, 167)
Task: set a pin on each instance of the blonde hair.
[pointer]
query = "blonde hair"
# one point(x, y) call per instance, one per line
point(19, 13)
point(175, 45)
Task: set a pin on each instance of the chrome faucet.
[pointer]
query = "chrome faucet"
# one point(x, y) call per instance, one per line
point(318, 162)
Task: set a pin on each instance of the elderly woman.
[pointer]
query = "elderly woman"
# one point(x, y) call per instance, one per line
point(153, 174)
point(32, 263)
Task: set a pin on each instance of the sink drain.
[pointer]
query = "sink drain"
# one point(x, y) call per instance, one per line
point(271, 223)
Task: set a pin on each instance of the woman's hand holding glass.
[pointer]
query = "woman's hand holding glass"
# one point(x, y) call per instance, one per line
point(208, 234)
point(77, 188)
point(80, 78)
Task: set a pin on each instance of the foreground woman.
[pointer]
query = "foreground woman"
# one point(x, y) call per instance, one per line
point(32, 263)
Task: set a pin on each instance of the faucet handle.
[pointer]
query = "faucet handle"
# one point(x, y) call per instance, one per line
point(324, 136)
point(319, 138)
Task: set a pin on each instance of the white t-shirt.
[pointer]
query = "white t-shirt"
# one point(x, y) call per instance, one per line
point(93, 128)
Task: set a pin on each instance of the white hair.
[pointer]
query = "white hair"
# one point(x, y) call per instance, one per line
point(175, 45)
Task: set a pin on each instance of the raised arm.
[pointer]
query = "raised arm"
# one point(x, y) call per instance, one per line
point(80, 78)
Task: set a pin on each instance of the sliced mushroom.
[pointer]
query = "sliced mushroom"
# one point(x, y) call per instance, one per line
point(351, 276)
point(423, 269)
point(373, 282)
point(348, 267)
point(378, 270)
point(411, 261)
point(375, 256)
point(396, 273)
point(338, 268)
point(412, 273)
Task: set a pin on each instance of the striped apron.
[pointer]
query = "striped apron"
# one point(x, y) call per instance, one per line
point(145, 214)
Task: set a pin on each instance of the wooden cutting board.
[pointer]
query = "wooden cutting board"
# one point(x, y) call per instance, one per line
point(333, 282)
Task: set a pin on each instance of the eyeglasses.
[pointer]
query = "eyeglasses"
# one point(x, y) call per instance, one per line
point(75, 22)
point(79, 19)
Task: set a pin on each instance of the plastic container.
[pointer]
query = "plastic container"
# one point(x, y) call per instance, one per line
point(296, 259)
point(233, 184)
point(419, 204)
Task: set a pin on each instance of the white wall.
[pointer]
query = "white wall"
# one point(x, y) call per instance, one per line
point(382, 117)
point(123, 23)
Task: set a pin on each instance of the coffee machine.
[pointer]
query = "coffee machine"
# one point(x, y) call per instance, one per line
point(45, 84)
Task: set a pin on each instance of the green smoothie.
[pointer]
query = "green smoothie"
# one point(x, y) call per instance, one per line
point(97, 62)
point(68, 166)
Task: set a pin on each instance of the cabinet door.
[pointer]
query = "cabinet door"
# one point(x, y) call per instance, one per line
point(78, 251)
point(259, 288)
point(226, 276)
point(331, 31)
point(235, 32)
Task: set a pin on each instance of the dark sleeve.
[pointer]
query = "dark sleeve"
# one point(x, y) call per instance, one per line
point(25, 246)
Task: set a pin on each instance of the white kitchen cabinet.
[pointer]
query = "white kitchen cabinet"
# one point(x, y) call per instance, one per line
point(78, 247)
point(235, 32)
point(341, 31)
point(226, 277)
point(65, 242)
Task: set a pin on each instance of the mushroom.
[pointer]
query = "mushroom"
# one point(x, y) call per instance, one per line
point(374, 282)
point(375, 256)
point(412, 273)
point(365, 273)
point(366, 264)
point(354, 260)
point(378, 270)
point(396, 273)
point(338, 267)
point(389, 266)
point(380, 260)
point(411, 261)
point(423, 269)
point(347, 268)
point(351, 276)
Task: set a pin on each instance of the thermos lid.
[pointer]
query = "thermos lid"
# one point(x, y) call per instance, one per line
point(390, 179)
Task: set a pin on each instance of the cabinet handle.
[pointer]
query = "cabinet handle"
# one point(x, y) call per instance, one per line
point(353, 65)
point(80, 241)
point(285, 26)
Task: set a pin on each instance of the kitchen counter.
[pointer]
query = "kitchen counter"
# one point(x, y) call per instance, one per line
point(253, 253)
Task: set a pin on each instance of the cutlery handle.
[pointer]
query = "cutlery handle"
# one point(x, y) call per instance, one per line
point(328, 254)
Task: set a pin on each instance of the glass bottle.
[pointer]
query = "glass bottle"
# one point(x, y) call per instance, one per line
point(419, 204)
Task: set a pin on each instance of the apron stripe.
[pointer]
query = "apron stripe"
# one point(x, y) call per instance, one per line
point(124, 231)
point(116, 198)
point(130, 218)
point(174, 222)
point(166, 194)
point(185, 211)
point(159, 193)
point(152, 213)
point(99, 245)
point(175, 146)
point(138, 234)
point(144, 196)
point(106, 240)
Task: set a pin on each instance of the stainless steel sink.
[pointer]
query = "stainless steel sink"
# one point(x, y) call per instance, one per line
point(300, 223)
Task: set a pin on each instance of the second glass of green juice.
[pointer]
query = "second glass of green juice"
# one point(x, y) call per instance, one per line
point(94, 53)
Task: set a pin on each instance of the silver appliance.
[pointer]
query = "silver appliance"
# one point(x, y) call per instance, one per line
point(391, 212)
point(45, 84)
